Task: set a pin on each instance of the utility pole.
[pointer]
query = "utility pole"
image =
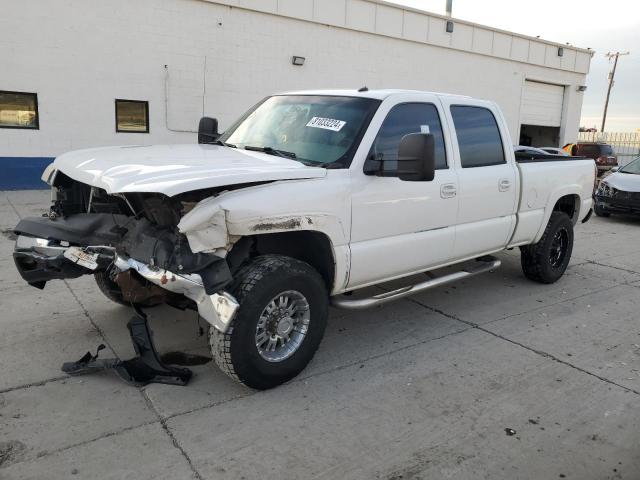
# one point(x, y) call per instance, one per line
point(612, 74)
point(449, 7)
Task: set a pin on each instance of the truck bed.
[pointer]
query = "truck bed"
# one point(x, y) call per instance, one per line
point(544, 179)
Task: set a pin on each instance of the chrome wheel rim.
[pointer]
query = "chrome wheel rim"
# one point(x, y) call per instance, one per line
point(282, 326)
point(558, 248)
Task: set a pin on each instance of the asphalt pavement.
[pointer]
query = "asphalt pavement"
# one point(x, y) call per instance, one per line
point(494, 377)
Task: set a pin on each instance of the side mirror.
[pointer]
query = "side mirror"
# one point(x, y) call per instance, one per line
point(614, 169)
point(416, 157)
point(208, 130)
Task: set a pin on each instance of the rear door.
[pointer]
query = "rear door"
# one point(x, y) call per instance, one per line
point(488, 181)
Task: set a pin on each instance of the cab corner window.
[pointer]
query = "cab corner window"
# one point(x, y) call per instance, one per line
point(19, 110)
point(132, 116)
point(478, 135)
point(402, 120)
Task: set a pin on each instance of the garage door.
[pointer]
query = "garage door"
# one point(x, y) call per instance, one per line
point(542, 104)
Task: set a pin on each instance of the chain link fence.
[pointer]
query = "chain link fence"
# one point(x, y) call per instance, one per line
point(626, 145)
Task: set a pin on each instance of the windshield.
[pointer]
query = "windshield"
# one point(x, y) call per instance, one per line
point(632, 167)
point(312, 129)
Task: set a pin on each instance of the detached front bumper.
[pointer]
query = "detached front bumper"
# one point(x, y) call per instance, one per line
point(39, 260)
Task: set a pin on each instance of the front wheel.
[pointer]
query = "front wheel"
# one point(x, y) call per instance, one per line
point(279, 325)
point(547, 260)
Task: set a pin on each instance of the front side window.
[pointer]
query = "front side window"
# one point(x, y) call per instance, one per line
point(19, 110)
point(478, 135)
point(312, 129)
point(132, 116)
point(402, 120)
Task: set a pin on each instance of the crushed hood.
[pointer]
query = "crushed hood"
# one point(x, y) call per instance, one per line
point(627, 182)
point(175, 169)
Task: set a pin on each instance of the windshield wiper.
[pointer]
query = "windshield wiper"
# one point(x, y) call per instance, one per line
point(327, 165)
point(223, 144)
point(271, 151)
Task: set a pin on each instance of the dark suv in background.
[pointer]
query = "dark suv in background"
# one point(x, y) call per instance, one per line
point(602, 153)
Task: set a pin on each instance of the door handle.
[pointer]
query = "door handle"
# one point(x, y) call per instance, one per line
point(448, 190)
point(504, 185)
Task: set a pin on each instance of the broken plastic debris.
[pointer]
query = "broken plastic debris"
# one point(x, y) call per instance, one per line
point(510, 432)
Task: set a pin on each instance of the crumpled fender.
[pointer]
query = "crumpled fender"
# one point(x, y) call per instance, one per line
point(206, 226)
point(218, 222)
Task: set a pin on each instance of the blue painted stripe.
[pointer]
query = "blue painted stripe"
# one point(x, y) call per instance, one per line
point(23, 173)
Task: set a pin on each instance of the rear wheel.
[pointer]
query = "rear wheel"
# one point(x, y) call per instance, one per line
point(279, 325)
point(547, 260)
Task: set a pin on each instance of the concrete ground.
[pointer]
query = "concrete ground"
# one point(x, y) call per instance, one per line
point(424, 388)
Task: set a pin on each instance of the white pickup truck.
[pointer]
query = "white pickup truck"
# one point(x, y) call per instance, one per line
point(309, 197)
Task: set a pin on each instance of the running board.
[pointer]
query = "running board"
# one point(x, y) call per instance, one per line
point(486, 264)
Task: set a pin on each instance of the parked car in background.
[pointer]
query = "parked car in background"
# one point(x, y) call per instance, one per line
point(555, 151)
point(602, 153)
point(620, 191)
point(529, 150)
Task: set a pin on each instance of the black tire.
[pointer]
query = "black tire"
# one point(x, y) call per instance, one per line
point(600, 211)
point(264, 278)
point(112, 291)
point(547, 260)
point(109, 288)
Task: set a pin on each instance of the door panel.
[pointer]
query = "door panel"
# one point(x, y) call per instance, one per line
point(400, 227)
point(487, 183)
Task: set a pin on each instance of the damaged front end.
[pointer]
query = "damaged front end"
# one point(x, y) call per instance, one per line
point(131, 238)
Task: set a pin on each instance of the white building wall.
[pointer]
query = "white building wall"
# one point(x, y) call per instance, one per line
point(80, 55)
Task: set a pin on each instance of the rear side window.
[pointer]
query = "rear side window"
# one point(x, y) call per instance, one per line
point(478, 136)
point(402, 120)
point(606, 150)
point(591, 150)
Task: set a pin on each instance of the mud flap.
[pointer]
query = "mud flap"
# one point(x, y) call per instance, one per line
point(143, 369)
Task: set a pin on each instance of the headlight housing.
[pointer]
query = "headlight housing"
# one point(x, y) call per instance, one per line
point(604, 189)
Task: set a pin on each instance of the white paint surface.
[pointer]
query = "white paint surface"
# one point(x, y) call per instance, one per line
point(174, 169)
point(542, 104)
point(221, 60)
point(392, 228)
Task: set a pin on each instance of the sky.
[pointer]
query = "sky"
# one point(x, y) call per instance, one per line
point(610, 26)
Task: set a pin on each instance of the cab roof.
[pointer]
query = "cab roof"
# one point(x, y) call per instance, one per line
point(376, 94)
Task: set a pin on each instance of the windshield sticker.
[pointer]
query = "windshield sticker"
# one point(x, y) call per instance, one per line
point(424, 129)
point(326, 123)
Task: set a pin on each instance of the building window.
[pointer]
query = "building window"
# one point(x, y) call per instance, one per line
point(19, 110)
point(132, 116)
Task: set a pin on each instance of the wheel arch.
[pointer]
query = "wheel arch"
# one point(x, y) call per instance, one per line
point(566, 200)
point(309, 246)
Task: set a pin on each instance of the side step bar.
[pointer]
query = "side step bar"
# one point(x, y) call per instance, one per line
point(485, 264)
